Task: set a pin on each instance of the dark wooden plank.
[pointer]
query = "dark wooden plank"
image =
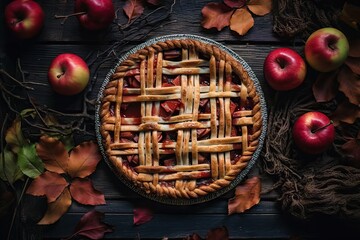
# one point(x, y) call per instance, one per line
point(36, 60)
point(182, 225)
point(191, 24)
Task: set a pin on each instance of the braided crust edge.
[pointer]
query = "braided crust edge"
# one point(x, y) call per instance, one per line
point(187, 189)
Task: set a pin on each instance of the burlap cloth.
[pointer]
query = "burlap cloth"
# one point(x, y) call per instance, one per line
point(309, 185)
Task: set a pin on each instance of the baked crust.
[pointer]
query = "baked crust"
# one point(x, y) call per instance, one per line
point(187, 178)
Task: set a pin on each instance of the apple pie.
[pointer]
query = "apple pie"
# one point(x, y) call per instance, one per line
point(180, 118)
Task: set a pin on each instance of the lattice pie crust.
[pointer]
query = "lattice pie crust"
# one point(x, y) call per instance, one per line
point(180, 118)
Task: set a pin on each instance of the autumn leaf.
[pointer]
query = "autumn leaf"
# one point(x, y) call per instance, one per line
point(246, 196)
point(9, 168)
point(142, 215)
point(235, 3)
point(219, 233)
point(325, 87)
point(349, 84)
point(53, 154)
point(91, 226)
point(14, 136)
point(241, 21)
point(48, 184)
point(29, 163)
point(154, 2)
point(345, 112)
point(350, 15)
point(354, 64)
point(354, 47)
point(216, 15)
point(133, 9)
point(57, 208)
point(351, 150)
point(83, 191)
point(83, 159)
point(260, 7)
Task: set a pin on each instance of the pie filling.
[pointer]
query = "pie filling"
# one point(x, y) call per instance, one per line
point(177, 119)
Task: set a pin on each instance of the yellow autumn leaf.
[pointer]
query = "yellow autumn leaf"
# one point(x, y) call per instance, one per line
point(57, 208)
point(260, 7)
point(241, 21)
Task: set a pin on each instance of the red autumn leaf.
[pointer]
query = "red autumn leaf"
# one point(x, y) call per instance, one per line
point(193, 236)
point(133, 9)
point(91, 226)
point(259, 7)
point(354, 47)
point(83, 159)
point(220, 233)
point(246, 196)
point(345, 112)
point(325, 87)
point(354, 64)
point(48, 184)
point(83, 191)
point(351, 150)
point(216, 15)
point(349, 84)
point(235, 3)
point(57, 208)
point(53, 153)
point(241, 21)
point(154, 2)
point(142, 215)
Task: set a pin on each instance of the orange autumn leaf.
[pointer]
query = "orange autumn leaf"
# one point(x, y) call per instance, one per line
point(53, 153)
point(241, 21)
point(216, 15)
point(349, 84)
point(260, 7)
point(57, 208)
point(48, 184)
point(83, 191)
point(133, 9)
point(345, 112)
point(246, 196)
point(83, 159)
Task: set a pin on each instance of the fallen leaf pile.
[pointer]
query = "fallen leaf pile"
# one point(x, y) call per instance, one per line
point(66, 177)
point(246, 196)
point(234, 13)
point(91, 226)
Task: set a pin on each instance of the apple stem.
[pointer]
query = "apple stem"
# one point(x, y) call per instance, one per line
point(65, 17)
point(320, 128)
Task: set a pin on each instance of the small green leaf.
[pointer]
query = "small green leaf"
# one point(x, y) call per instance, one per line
point(30, 164)
point(9, 169)
point(28, 112)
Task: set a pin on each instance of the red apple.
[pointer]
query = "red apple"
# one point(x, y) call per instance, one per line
point(24, 18)
point(68, 74)
point(284, 69)
point(326, 49)
point(313, 132)
point(98, 14)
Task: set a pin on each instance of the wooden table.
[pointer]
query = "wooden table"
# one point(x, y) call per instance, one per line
point(266, 220)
